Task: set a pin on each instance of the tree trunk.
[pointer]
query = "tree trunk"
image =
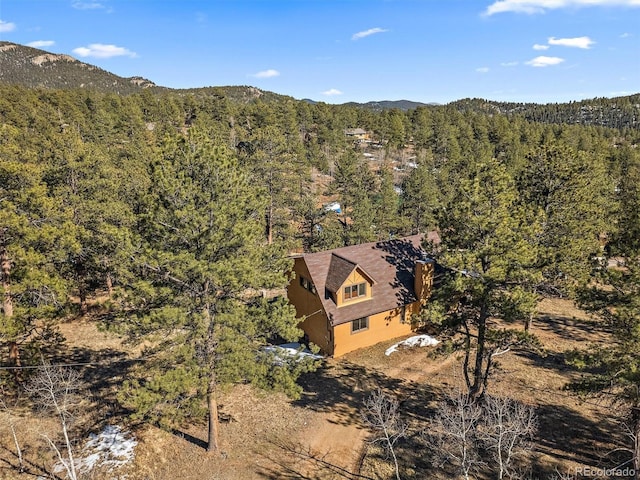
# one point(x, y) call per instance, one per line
point(270, 224)
point(213, 442)
point(635, 415)
point(5, 271)
point(7, 310)
point(14, 360)
point(528, 322)
point(478, 373)
point(82, 291)
point(467, 354)
point(109, 282)
point(84, 308)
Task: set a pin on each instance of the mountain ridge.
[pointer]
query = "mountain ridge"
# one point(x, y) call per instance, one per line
point(35, 68)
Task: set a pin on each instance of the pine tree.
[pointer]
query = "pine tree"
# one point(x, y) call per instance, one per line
point(37, 236)
point(420, 197)
point(613, 370)
point(568, 193)
point(487, 251)
point(278, 165)
point(387, 220)
point(202, 264)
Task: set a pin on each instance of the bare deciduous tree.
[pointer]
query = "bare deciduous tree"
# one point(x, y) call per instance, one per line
point(7, 418)
point(381, 416)
point(55, 389)
point(507, 426)
point(452, 433)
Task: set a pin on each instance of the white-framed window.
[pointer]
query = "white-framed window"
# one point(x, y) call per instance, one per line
point(355, 291)
point(359, 324)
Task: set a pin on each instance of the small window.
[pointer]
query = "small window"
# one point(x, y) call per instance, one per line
point(359, 324)
point(307, 284)
point(355, 291)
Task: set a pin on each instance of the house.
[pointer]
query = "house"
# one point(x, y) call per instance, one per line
point(357, 296)
point(358, 134)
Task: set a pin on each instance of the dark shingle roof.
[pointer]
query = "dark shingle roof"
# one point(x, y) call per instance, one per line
point(389, 264)
point(339, 270)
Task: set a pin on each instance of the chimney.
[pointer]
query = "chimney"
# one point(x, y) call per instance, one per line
point(423, 281)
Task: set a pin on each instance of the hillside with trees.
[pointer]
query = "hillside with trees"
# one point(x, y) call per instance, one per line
point(165, 219)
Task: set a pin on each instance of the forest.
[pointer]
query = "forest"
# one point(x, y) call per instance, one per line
point(167, 219)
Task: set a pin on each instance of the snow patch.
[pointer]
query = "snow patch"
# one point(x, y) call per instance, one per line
point(415, 341)
point(112, 448)
point(291, 350)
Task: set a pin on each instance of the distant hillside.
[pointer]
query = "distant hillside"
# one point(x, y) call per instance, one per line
point(403, 105)
point(243, 94)
point(618, 112)
point(35, 68)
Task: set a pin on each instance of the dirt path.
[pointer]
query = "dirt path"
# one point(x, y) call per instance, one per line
point(336, 448)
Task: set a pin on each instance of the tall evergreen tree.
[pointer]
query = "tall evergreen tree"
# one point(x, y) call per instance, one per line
point(202, 263)
point(569, 193)
point(487, 248)
point(37, 236)
point(278, 165)
point(614, 369)
point(387, 220)
point(420, 197)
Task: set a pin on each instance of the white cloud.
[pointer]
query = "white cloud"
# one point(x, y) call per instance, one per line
point(541, 6)
point(99, 50)
point(482, 69)
point(87, 5)
point(7, 27)
point(543, 61)
point(332, 92)
point(41, 43)
point(366, 33)
point(537, 46)
point(508, 64)
point(576, 42)
point(626, 35)
point(267, 73)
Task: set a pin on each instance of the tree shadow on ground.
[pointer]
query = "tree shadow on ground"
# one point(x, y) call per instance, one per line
point(549, 360)
point(103, 372)
point(301, 462)
point(342, 387)
point(29, 467)
point(571, 328)
point(566, 434)
point(193, 440)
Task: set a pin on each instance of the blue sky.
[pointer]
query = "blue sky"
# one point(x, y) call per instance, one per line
point(351, 50)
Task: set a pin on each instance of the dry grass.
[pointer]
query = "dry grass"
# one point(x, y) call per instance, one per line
point(321, 436)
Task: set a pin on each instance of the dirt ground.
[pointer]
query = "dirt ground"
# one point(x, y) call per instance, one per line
point(321, 435)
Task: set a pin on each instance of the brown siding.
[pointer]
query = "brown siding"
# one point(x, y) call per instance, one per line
point(382, 326)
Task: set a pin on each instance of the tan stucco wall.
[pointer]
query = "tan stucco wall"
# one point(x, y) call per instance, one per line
point(309, 305)
point(382, 326)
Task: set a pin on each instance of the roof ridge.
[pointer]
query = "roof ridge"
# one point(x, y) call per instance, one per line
point(355, 264)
